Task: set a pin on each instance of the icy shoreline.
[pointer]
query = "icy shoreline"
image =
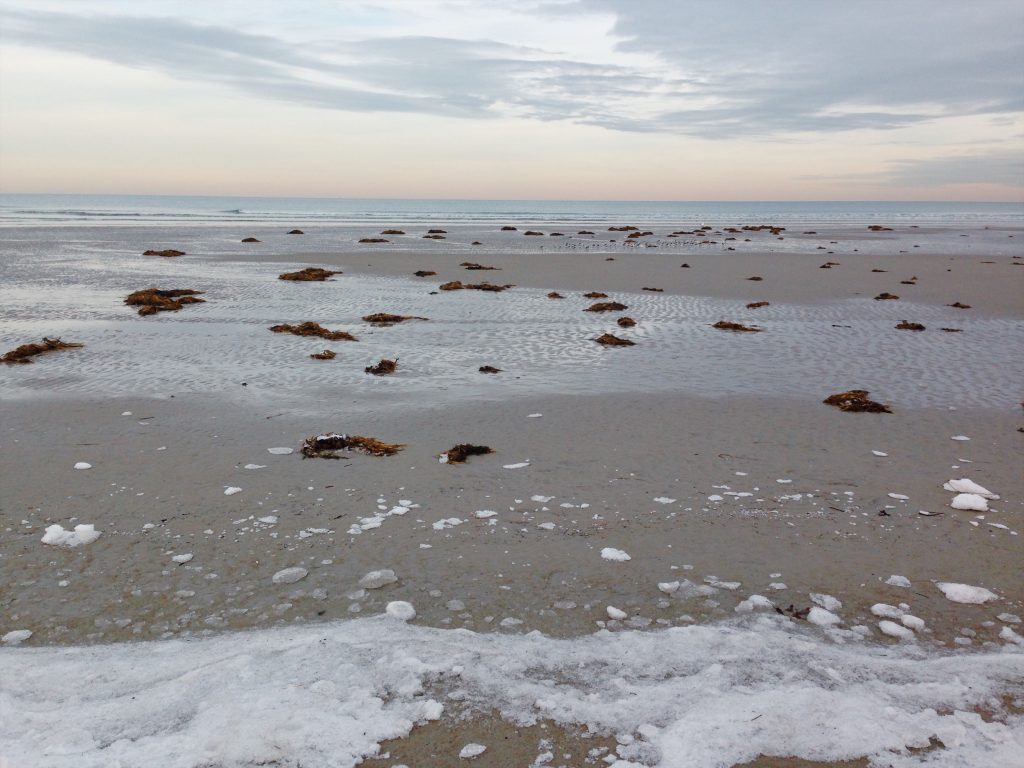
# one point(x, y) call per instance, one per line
point(327, 695)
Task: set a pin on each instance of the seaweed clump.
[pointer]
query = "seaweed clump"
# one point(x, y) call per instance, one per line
point(757, 304)
point(555, 295)
point(626, 322)
point(489, 369)
point(308, 275)
point(327, 354)
point(373, 240)
point(392, 232)
point(385, 319)
point(327, 446)
point(856, 401)
point(886, 297)
point(21, 355)
point(458, 285)
point(313, 329)
point(472, 265)
point(153, 300)
point(250, 240)
point(459, 453)
point(595, 295)
point(170, 253)
point(725, 325)
point(905, 326)
point(610, 340)
point(959, 305)
point(383, 368)
point(424, 273)
point(296, 232)
point(606, 306)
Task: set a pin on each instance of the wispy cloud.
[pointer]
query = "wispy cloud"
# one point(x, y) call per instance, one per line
point(711, 70)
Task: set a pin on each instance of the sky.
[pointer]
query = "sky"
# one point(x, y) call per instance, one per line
point(497, 99)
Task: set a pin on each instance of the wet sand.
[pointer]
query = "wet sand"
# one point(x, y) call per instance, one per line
point(774, 493)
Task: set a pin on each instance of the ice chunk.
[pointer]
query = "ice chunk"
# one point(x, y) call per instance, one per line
point(541, 499)
point(822, 618)
point(886, 611)
point(880, 453)
point(1009, 618)
point(448, 522)
point(1008, 634)
point(898, 496)
point(827, 602)
point(290, 575)
point(280, 451)
point(610, 553)
point(378, 579)
point(83, 465)
point(966, 485)
point(255, 466)
point(485, 513)
point(615, 613)
point(754, 602)
point(534, 415)
point(400, 609)
point(912, 622)
point(182, 559)
point(965, 593)
point(898, 581)
point(668, 587)
point(893, 629)
point(472, 750)
point(664, 500)
point(16, 637)
point(960, 438)
point(970, 502)
point(57, 536)
point(518, 465)
point(231, 490)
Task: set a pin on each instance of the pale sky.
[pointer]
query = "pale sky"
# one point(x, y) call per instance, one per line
point(537, 99)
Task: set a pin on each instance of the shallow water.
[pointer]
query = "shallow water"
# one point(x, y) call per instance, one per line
point(542, 345)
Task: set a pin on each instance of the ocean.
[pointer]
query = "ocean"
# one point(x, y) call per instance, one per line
point(36, 209)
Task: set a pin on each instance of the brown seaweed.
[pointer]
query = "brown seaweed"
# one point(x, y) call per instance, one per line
point(856, 401)
point(459, 453)
point(383, 368)
point(386, 319)
point(250, 240)
point(595, 295)
point(153, 300)
point(327, 354)
point(555, 295)
point(392, 232)
point(610, 340)
point(170, 253)
point(626, 322)
point(327, 446)
point(373, 240)
point(472, 265)
point(489, 369)
point(757, 304)
point(20, 355)
point(959, 305)
point(458, 285)
point(726, 325)
point(309, 328)
point(308, 275)
point(886, 297)
point(905, 326)
point(606, 306)
point(424, 273)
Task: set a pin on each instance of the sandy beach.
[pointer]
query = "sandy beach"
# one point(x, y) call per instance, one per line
point(688, 484)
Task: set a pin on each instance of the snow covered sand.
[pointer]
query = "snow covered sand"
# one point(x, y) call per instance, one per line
point(327, 695)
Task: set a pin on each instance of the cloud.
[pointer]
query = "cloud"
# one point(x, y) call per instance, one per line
point(702, 68)
point(1003, 168)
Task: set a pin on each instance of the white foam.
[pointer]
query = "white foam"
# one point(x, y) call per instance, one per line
point(57, 536)
point(328, 694)
point(610, 553)
point(965, 593)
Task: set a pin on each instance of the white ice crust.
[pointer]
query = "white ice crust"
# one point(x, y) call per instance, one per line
point(328, 694)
